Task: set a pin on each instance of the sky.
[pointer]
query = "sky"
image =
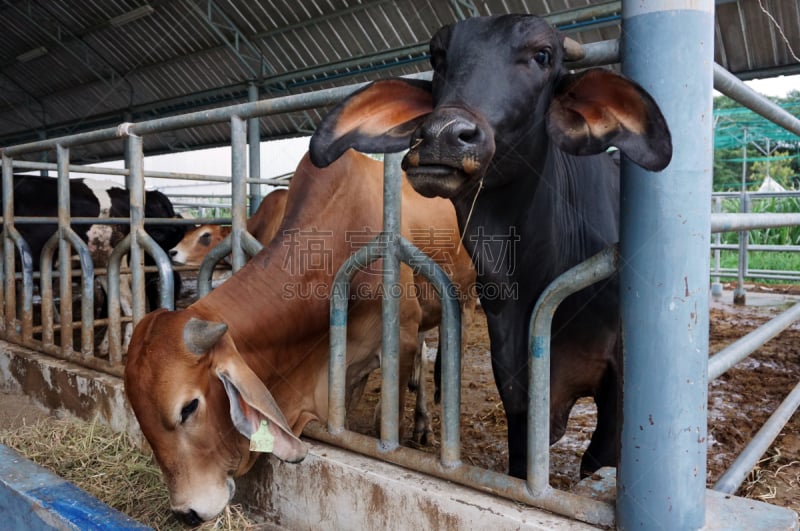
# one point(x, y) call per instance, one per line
point(282, 156)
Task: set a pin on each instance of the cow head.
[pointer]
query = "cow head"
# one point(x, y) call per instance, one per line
point(202, 409)
point(197, 243)
point(500, 95)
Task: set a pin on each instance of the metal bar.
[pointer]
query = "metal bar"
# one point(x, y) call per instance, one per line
point(135, 183)
point(736, 222)
point(726, 358)
point(64, 251)
point(238, 189)
point(6, 272)
point(340, 296)
point(756, 248)
point(295, 102)
point(87, 287)
point(758, 273)
point(736, 474)
point(254, 161)
point(716, 286)
point(390, 308)
point(735, 89)
point(584, 14)
point(596, 268)
point(598, 54)
point(450, 338)
point(740, 294)
point(559, 502)
point(664, 294)
point(112, 291)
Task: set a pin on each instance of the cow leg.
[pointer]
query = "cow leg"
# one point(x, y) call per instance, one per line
point(423, 432)
point(603, 449)
point(103, 348)
point(514, 393)
point(126, 308)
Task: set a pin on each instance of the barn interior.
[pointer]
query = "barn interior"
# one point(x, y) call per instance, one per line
point(79, 66)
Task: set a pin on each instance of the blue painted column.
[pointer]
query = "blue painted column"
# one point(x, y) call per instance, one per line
point(667, 47)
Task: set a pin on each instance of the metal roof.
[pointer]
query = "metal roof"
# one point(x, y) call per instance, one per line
point(76, 65)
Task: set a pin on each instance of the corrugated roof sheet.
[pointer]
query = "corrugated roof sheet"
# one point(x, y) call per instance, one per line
point(76, 65)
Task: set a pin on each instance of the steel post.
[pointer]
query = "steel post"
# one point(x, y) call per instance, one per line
point(238, 189)
point(668, 48)
point(390, 340)
point(135, 184)
point(64, 250)
point(254, 152)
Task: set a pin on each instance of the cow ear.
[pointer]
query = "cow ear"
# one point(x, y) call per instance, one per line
point(254, 412)
point(596, 109)
point(379, 118)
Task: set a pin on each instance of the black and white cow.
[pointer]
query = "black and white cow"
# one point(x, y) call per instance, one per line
point(517, 142)
point(37, 196)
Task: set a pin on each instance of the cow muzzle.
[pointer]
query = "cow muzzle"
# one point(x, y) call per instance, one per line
point(450, 150)
point(205, 503)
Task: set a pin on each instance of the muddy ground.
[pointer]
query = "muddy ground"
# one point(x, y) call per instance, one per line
point(739, 402)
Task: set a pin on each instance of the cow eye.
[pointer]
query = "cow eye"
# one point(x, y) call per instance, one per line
point(205, 239)
point(542, 57)
point(188, 409)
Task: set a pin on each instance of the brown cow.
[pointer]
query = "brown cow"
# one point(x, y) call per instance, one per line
point(247, 365)
point(263, 225)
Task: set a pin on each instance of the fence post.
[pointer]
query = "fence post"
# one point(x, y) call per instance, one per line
point(254, 161)
point(740, 294)
point(665, 232)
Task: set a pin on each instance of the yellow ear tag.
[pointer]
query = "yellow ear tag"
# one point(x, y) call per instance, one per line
point(262, 440)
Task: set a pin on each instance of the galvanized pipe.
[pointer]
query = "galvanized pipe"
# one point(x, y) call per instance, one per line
point(726, 358)
point(582, 508)
point(295, 102)
point(664, 272)
point(87, 287)
point(340, 297)
point(113, 278)
point(735, 89)
point(238, 190)
point(597, 54)
point(221, 250)
point(450, 340)
point(135, 184)
point(735, 222)
point(596, 268)
point(749, 457)
point(390, 307)
point(254, 152)
point(64, 250)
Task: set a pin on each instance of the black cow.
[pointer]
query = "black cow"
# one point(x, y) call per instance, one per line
point(38, 197)
point(518, 144)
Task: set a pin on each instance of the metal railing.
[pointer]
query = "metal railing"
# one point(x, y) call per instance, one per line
point(744, 247)
point(536, 491)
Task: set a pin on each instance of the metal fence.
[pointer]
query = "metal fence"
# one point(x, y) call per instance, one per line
point(16, 319)
point(743, 270)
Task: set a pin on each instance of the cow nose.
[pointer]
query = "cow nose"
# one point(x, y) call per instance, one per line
point(189, 517)
point(172, 253)
point(454, 131)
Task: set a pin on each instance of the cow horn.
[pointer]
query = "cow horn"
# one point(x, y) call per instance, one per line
point(199, 336)
point(574, 50)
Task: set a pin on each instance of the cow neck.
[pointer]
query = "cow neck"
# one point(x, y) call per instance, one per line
point(283, 292)
point(534, 221)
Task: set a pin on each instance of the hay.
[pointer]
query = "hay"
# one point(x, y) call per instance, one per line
point(109, 467)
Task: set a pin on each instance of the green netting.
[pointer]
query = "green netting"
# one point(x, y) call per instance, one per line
point(730, 125)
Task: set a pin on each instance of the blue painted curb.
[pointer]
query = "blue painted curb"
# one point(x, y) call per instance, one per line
point(33, 499)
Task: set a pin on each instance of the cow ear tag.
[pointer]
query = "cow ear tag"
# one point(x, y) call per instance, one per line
point(262, 440)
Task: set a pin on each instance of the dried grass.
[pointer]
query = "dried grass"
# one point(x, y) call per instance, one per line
point(108, 466)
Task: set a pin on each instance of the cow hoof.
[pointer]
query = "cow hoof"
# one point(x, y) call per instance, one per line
point(424, 437)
